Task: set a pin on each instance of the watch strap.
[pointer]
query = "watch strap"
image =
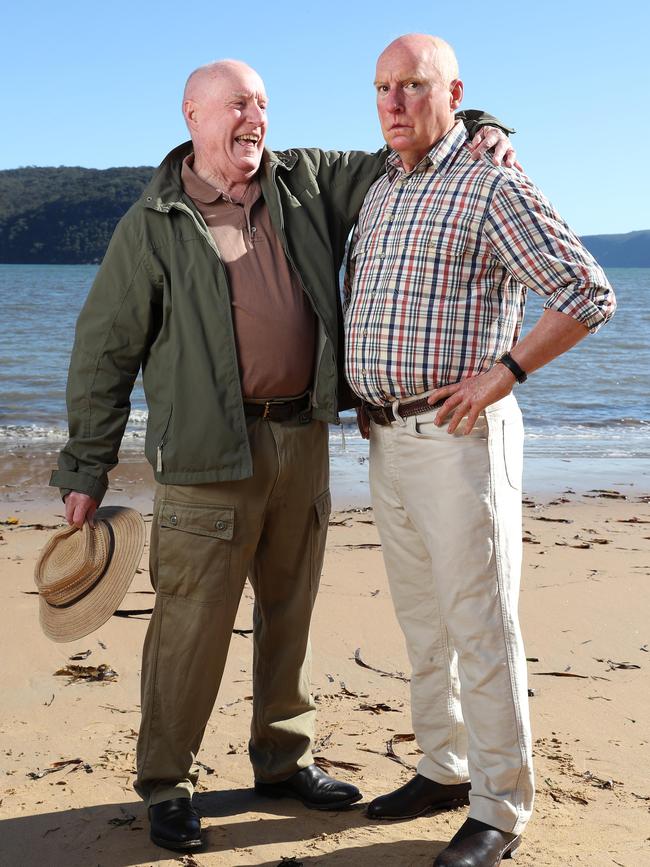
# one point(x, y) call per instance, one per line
point(519, 374)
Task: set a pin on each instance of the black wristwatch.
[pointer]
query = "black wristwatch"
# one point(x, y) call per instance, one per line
point(519, 374)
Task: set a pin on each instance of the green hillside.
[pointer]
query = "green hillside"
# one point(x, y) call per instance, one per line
point(66, 215)
point(63, 215)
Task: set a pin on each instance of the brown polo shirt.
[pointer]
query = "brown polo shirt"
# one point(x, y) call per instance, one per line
point(274, 322)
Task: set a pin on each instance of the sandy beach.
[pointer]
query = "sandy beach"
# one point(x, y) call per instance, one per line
point(584, 609)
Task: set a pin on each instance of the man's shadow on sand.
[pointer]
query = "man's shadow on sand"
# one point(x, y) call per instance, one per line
point(117, 835)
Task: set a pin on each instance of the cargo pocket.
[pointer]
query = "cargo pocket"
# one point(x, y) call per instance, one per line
point(194, 550)
point(322, 509)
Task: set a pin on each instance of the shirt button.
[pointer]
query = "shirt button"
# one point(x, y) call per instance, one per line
point(173, 520)
point(381, 255)
point(220, 525)
point(364, 372)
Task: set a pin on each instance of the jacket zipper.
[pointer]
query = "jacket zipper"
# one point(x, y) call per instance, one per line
point(321, 326)
point(180, 206)
point(163, 440)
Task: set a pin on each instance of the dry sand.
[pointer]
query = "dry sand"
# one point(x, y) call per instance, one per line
point(584, 609)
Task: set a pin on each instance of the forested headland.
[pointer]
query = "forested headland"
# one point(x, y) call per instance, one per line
point(63, 215)
point(66, 215)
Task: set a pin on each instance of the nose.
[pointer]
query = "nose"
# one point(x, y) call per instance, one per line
point(255, 113)
point(394, 100)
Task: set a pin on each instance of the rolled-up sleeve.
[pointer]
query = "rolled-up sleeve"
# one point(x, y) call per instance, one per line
point(540, 250)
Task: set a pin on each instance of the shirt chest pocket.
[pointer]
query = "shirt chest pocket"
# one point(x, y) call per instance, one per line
point(450, 238)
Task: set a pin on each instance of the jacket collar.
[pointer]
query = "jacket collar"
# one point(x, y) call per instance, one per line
point(164, 190)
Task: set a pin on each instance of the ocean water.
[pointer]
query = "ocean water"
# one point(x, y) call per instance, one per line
point(591, 403)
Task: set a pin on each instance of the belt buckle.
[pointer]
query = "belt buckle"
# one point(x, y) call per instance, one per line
point(384, 407)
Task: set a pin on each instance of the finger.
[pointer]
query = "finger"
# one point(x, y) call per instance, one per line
point(482, 148)
point(447, 407)
point(519, 166)
point(456, 418)
point(510, 158)
point(478, 137)
point(500, 149)
point(472, 416)
point(442, 393)
point(85, 511)
point(78, 515)
point(69, 510)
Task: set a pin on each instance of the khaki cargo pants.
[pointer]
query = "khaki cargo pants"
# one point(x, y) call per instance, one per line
point(205, 541)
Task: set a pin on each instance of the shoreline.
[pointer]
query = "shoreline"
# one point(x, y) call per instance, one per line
point(25, 472)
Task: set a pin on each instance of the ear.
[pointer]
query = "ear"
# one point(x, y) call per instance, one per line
point(455, 93)
point(190, 112)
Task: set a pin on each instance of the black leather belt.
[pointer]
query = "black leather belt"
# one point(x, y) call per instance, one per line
point(281, 410)
point(383, 415)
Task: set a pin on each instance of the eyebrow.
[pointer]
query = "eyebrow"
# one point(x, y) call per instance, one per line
point(248, 94)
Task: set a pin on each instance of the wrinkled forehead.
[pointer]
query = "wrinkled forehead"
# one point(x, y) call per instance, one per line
point(401, 64)
point(242, 80)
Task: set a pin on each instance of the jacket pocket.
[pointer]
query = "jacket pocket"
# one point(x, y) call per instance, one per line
point(194, 551)
point(161, 442)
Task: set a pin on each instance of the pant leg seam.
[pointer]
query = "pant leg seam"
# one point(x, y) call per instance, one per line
point(153, 683)
point(496, 532)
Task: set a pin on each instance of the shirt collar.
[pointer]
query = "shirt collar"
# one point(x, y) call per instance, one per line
point(439, 157)
point(201, 191)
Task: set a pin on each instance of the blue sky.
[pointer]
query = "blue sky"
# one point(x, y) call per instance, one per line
point(100, 84)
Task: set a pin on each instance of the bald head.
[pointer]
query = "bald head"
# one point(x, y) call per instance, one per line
point(224, 105)
point(429, 50)
point(418, 91)
point(205, 79)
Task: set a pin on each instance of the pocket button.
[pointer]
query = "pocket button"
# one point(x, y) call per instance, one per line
point(173, 520)
point(220, 525)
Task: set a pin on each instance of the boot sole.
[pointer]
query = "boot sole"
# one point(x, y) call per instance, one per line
point(429, 809)
point(187, 846)
point(509, 852)
point(277, 794)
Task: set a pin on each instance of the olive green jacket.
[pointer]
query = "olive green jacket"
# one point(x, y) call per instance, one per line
point(161, 302)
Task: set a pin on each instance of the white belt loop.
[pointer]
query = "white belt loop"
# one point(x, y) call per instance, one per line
point(398, 418)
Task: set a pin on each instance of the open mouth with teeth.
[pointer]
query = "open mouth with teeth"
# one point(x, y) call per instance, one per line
point(248, 139)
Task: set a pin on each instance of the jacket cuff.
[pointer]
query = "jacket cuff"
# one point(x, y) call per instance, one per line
point(474, 119)
point(80, 482)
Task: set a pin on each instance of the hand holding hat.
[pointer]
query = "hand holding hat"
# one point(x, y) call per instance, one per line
point(83, 574)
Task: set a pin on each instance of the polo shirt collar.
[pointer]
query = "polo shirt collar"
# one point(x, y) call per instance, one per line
point(201, 191)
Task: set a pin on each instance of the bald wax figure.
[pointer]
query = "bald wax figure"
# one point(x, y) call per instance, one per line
point(221, 284)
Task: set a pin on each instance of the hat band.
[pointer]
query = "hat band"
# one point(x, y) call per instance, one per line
point(93, 582)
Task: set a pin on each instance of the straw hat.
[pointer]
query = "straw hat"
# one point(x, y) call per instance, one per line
point(83, 574)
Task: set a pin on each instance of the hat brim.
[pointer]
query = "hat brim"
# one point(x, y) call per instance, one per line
point(96, 607)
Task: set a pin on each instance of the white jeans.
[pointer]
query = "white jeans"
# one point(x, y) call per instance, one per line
point(448, 511)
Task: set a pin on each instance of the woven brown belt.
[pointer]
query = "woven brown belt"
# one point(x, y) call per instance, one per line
point(383, 415)
point(281, 410)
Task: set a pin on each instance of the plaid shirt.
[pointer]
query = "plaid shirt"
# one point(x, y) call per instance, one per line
point(440, 262)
